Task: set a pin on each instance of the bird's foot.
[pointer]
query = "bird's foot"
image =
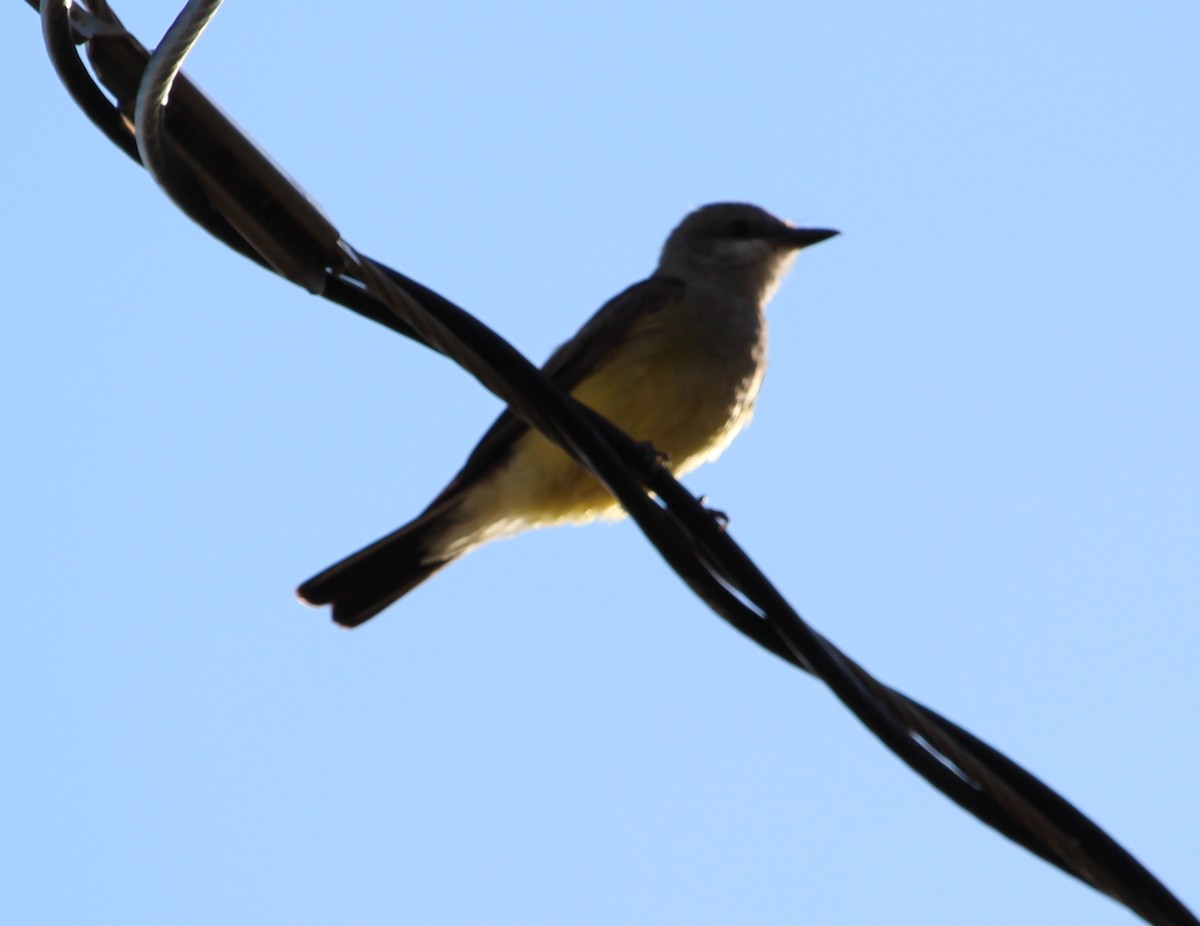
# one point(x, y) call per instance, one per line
point(650, 458)
point(720, 518)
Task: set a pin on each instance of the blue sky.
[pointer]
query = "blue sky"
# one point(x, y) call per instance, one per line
point(973, 467)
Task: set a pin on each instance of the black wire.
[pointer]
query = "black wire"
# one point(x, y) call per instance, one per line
point(60, 45)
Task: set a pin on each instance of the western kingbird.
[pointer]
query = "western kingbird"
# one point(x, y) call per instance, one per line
point(675, 360)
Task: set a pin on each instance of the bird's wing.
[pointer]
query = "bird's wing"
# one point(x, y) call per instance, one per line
point(575, 360)
point(567, 367)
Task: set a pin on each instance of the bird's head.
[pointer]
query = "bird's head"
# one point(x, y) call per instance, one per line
point(735, 246)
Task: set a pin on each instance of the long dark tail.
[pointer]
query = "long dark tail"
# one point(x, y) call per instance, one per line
point(366, 582)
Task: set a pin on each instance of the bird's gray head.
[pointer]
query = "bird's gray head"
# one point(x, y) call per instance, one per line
point(735, 246)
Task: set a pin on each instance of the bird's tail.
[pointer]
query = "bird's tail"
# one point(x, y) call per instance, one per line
point(366, 582)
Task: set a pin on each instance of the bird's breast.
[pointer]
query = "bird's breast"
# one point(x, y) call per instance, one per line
point(684, 388)
point(684, 385)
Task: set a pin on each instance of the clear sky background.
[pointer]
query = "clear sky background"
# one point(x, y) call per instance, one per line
point(974, 467)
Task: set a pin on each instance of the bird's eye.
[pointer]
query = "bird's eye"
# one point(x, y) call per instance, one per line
point(738, 228)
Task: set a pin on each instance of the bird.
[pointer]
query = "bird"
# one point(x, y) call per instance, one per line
point(675, 361)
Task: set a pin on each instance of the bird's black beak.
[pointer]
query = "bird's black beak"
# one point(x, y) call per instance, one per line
point(805, 237)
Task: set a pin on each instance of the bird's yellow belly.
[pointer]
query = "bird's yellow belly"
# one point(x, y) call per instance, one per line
point(679, 398)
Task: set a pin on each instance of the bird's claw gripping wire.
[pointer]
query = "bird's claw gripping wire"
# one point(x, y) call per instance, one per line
point(720, 518)
point(649, 460)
